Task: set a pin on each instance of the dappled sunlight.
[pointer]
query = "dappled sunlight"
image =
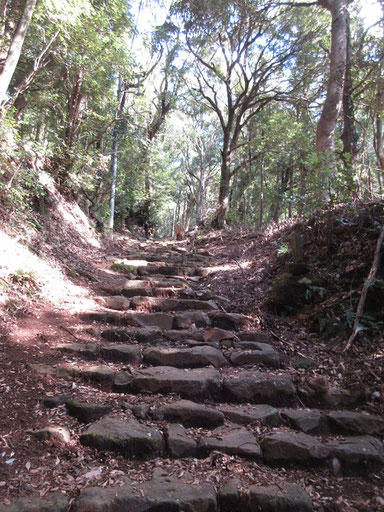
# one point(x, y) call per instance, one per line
point(230, 267)
point(20, 267)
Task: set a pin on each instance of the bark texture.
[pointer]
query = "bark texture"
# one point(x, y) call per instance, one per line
point(325, 140)
point(15, 48)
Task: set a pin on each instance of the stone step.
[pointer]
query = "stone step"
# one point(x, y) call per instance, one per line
point(164, 321)
point(169, 304)
point(195, 357)
point(134, 439)
point(122, 303)
point(197, 384)
point(166, 270)
point(189, 414)
point(166, 291)
point(130, 438)
point(166, 492)
point(153, 283)
point(257, 387)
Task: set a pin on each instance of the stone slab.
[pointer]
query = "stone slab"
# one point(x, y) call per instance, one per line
point(257, 387)
point(130, 438)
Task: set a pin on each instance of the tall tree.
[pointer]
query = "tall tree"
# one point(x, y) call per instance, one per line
point(240, 49)
point(12, 58)
point(325, 142)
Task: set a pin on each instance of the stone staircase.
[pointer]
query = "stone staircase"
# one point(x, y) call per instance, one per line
point(193, 382)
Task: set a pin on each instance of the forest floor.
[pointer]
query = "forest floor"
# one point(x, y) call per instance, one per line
point(41, 290)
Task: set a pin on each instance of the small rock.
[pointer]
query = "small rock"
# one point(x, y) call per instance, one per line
point(305, 420)
point(87, 412)
point(179, 443)
point(55, 401)
point(129, 438)
point(190, 414)
point(285, 497)
point(293, 447)
point(319, 384)
point(236, 442)
point(52, 432)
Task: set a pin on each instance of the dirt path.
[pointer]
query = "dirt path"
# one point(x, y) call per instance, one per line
point(161, 393)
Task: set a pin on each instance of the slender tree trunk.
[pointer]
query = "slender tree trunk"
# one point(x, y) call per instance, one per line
point(325, 137)
point(115, 147)
point(15, 48)
point(261, 196)
point(39, 62)
point(290, 193)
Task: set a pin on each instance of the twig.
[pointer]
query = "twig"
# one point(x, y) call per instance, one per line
point(363, 296)
point(68, 331)
point(241, 268)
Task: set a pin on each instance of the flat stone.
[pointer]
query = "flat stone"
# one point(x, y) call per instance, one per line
point(135, 262)
point(337, 397)
point(87, 413)
point(166, 493)
point(52, 502)
point(359, 450)
point(168, 304)
point(257, 387)
point(262, 414)
point(167, 270)
point(200, 383)
point(190, 414)
point(129, 438)
point(195, 357)
point(140, 334)
point(122, 353)
point(186, 320)
point(86, 350)
point(356, 422)
point(285, 497)
point(128, 270)
point(117, 302)
point(229, 497)
point(166, 283)
point(135, 283)
point(239, 442)
point(179, 443)
point(217, 334)
point(227, 321)
point(49, 432)
point(293, 447)
point(123, 382)
point(138, 291)
point(55, 401)
point(105, 317)
point(261, 353)
point(101, 373)
point(162, 320)
point(182, 336)
point(307, 420)
point(141, 411)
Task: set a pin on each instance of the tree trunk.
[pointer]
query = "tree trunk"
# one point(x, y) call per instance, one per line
point(15, 48)
point(115, 146)
point(325, 137)
point(38, 63)
point(218, 221)
point(261, 196)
